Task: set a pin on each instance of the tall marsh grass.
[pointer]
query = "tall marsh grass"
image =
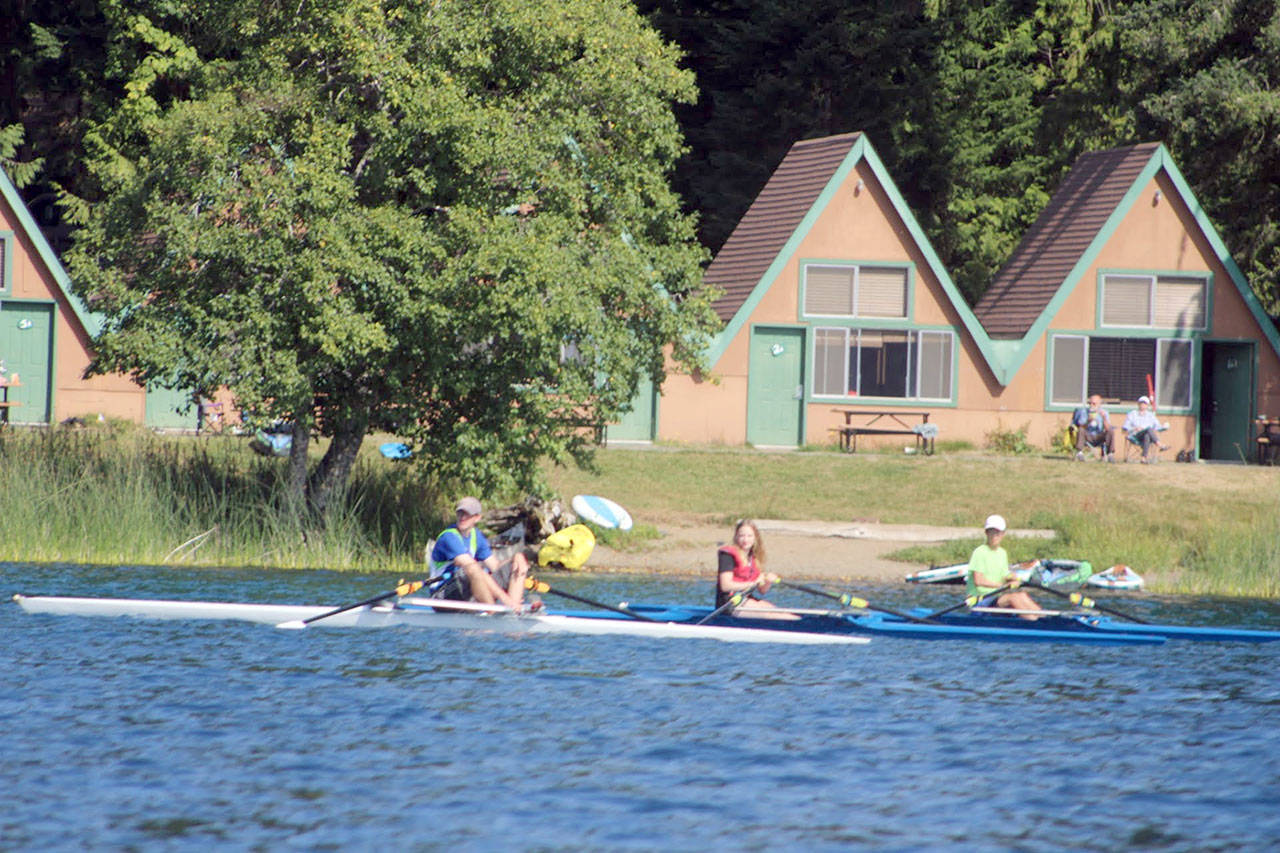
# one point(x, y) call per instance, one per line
point(125, 496)
point(128, 496)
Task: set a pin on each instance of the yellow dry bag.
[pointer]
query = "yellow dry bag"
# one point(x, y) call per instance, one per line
point(569, 547)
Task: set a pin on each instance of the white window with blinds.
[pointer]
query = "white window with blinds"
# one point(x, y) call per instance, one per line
point(935, 365)
point(888, 363)
point(5, 238)
point(1180, 303)
point(830, 356)
point(1173, 372)
point(828, 291)
point(881, 292)
point(1120, 369)
point(855, 291)
point(1157, 302)
point(1070, 367)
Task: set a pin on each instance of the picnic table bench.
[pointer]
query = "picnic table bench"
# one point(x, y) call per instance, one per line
point(5, 403)
point(884, 423)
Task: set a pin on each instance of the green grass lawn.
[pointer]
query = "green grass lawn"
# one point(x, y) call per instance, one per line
point(1197, 528)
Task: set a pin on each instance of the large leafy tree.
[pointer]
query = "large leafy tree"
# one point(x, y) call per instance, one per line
point(451, 220)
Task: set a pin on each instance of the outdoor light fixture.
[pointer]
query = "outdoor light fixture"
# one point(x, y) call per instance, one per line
point(1156, 199)
point(858, 187)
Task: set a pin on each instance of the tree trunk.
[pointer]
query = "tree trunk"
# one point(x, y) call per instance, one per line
point(296, 478)
point(330, 477)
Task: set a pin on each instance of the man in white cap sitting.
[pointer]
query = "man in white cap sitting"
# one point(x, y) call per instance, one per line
point(1141, 427)
point(464, 568)
point(989, 573)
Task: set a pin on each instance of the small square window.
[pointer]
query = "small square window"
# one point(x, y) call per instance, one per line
point(855, 291)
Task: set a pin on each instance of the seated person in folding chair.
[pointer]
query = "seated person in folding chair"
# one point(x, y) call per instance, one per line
point(1093, 429)
point(1142, 428)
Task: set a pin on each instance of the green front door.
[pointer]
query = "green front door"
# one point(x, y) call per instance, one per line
point(637, 424)
point(775, 387)
point(1226, 401)
point(26, 347)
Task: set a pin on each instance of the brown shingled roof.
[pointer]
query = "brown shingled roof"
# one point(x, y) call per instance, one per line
point(773, 217)
point(1088, 195)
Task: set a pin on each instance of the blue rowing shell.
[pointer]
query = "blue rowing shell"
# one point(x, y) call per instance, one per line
point(885, 625)
point(1082, 628)
point(1106, 625)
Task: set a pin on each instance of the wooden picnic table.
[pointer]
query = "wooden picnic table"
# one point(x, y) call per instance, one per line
point(882, 423)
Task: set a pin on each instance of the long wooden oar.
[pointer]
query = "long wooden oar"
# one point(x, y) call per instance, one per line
point(543, 587)
point(734, 600)
point(403, 589)
point(1086, 602)
point(970, 601)
point(853, 601)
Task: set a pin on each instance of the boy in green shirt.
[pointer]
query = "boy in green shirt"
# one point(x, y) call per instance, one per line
point(989, 570)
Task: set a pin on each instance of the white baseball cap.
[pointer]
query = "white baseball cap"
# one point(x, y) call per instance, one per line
point(1144, 399)
point(994, 522)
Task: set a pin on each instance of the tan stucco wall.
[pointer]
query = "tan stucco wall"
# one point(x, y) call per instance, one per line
point(701, 411)
point(112, 396)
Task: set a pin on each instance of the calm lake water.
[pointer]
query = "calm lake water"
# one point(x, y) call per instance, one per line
point(125, 733)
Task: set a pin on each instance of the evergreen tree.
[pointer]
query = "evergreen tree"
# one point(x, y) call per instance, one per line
point(1203, 76)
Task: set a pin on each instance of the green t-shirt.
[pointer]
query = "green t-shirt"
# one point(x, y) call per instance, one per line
point(991, 563)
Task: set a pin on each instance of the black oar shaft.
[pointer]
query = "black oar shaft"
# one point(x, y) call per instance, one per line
point(402, 589)
point(542, 586)
point(1088, 603)
point(734, 600)
point(970, 601)
point(852, 601)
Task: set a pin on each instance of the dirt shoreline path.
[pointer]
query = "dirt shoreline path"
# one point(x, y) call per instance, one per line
point(813, 550)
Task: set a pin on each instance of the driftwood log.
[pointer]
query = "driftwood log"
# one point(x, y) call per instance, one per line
point(529, 522)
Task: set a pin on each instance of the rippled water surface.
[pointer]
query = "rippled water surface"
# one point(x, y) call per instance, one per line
point(123, 733)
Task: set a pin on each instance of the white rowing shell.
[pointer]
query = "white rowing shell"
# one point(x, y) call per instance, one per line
point(385, 616)
point(601, 512)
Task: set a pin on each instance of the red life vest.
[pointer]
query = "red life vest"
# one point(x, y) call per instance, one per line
point(743, 572)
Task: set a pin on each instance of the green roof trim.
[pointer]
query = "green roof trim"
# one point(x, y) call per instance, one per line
point(91, 322)
point(1015, 352)
point(860, 150)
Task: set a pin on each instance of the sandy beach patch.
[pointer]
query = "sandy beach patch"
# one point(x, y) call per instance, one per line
point(815, 550)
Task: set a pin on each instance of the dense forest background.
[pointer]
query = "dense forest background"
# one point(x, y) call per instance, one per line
point(977, 107)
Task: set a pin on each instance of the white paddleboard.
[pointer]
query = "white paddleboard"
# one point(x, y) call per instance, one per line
point(601, 512)
point(940, 574)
